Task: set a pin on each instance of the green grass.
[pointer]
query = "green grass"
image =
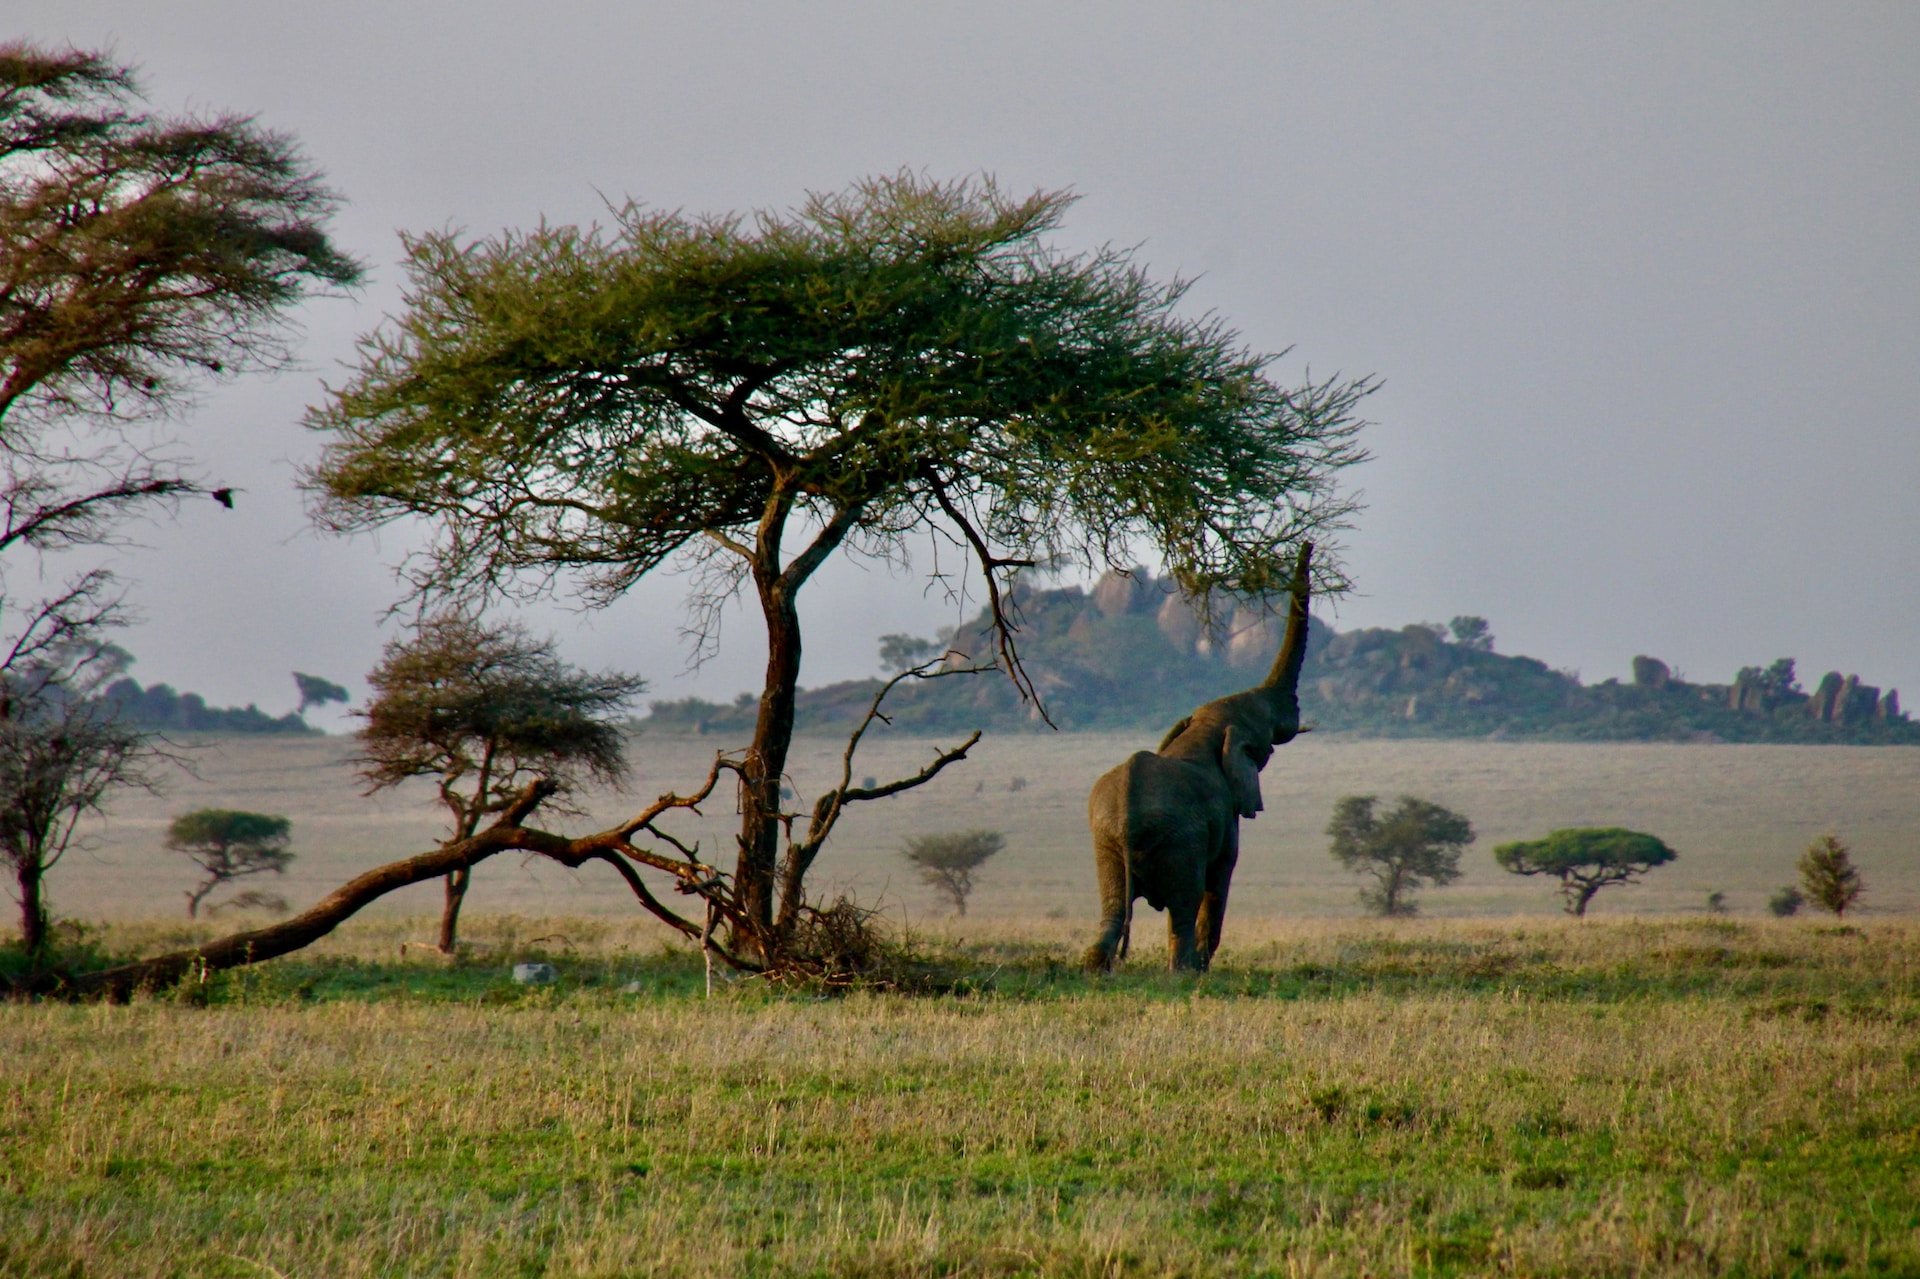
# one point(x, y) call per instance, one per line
point(1690, 1097)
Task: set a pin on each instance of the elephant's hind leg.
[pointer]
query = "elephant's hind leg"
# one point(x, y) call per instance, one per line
point(1183, 948)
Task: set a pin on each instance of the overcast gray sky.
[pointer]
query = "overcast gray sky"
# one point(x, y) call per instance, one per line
point(1643, 281)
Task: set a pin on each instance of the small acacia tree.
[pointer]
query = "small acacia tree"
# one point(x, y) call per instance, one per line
point(946, 862)
point(1828, 876)
point(484, 708)
point(1586, 860)
point(315, 691)
point(908, 362)
point(1415, 844)
point(229, 844)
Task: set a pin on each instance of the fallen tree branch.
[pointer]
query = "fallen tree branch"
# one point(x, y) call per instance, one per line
point(302, 930)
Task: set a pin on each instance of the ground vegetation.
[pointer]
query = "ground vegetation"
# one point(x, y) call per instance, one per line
point(1679, 1097)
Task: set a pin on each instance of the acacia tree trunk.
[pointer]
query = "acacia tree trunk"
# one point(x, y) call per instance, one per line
point(456, 885)
point(766, 763)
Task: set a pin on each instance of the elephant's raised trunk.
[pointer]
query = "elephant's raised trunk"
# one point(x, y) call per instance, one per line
point(1284, 679)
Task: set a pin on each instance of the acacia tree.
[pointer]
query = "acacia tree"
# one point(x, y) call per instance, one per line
point(229, 844)
point(1586, 860)
point(946, 862)
point(1414, 844)
point(905, 362)
point(484, 709)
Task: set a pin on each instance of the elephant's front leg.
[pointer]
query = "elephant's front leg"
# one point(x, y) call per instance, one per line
point(1213, 904)
point(1110, 862)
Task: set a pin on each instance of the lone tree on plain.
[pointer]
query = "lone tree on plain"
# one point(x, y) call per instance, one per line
point(1586, 860)
point(1416, 844)
point(228, 844)
point(1828, 876)
point(907, 362)
point(315, 691)
point(484, 709)
point(947, 862)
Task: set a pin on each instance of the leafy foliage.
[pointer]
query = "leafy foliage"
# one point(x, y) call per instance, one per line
point(947, 861)
point(1415, 844)
point(1828, 876)
point(158, 706)
point(1786, 902)
point(1586, 860)
point(229, 844)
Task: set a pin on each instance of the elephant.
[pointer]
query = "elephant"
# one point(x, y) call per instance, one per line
point(1166, 823)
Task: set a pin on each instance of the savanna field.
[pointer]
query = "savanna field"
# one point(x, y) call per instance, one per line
point(1490, 1088)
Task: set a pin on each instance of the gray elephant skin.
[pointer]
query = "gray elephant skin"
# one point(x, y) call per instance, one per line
point(1166, 824)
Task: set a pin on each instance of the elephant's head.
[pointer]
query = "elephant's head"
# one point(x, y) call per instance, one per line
point(1239, 732)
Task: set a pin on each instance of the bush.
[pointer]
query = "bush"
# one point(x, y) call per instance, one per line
point(1786, 903)
point(1828, 875)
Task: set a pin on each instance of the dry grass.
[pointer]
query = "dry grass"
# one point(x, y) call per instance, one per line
point(1661, 1097)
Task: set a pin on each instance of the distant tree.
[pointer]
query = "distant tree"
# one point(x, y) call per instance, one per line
point(754, 396)
point(1586, 860)
point(63, 751)
point(228, 844)
point(315, 691)
point(1786, 902)
point(1828, 876)
point(904, 652)
point(1472, 632)
point(947, 862)
point(1716, 903)
point(484, 709)
point(1416, 844)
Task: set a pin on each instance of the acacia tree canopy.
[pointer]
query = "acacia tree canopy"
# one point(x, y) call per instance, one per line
point(907, 358)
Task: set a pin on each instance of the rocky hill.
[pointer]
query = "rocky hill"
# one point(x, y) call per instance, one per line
point(1133, 654)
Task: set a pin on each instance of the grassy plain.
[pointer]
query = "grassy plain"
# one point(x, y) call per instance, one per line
point(1490, 1088)
point(1678, 1096)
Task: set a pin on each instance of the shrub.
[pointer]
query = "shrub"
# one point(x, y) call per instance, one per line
point(1786, 903)
point(1828, 876)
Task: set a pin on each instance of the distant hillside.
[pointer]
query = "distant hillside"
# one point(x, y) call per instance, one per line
point(1131, 655)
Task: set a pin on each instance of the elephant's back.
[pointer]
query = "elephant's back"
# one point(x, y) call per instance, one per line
point(1149, 798)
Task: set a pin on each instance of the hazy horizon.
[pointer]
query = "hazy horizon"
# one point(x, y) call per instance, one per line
point(1642, 284)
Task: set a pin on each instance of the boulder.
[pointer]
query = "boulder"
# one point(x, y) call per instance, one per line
point(1651, 672)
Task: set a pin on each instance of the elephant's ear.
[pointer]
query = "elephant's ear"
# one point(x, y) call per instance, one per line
point(1243, 775)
